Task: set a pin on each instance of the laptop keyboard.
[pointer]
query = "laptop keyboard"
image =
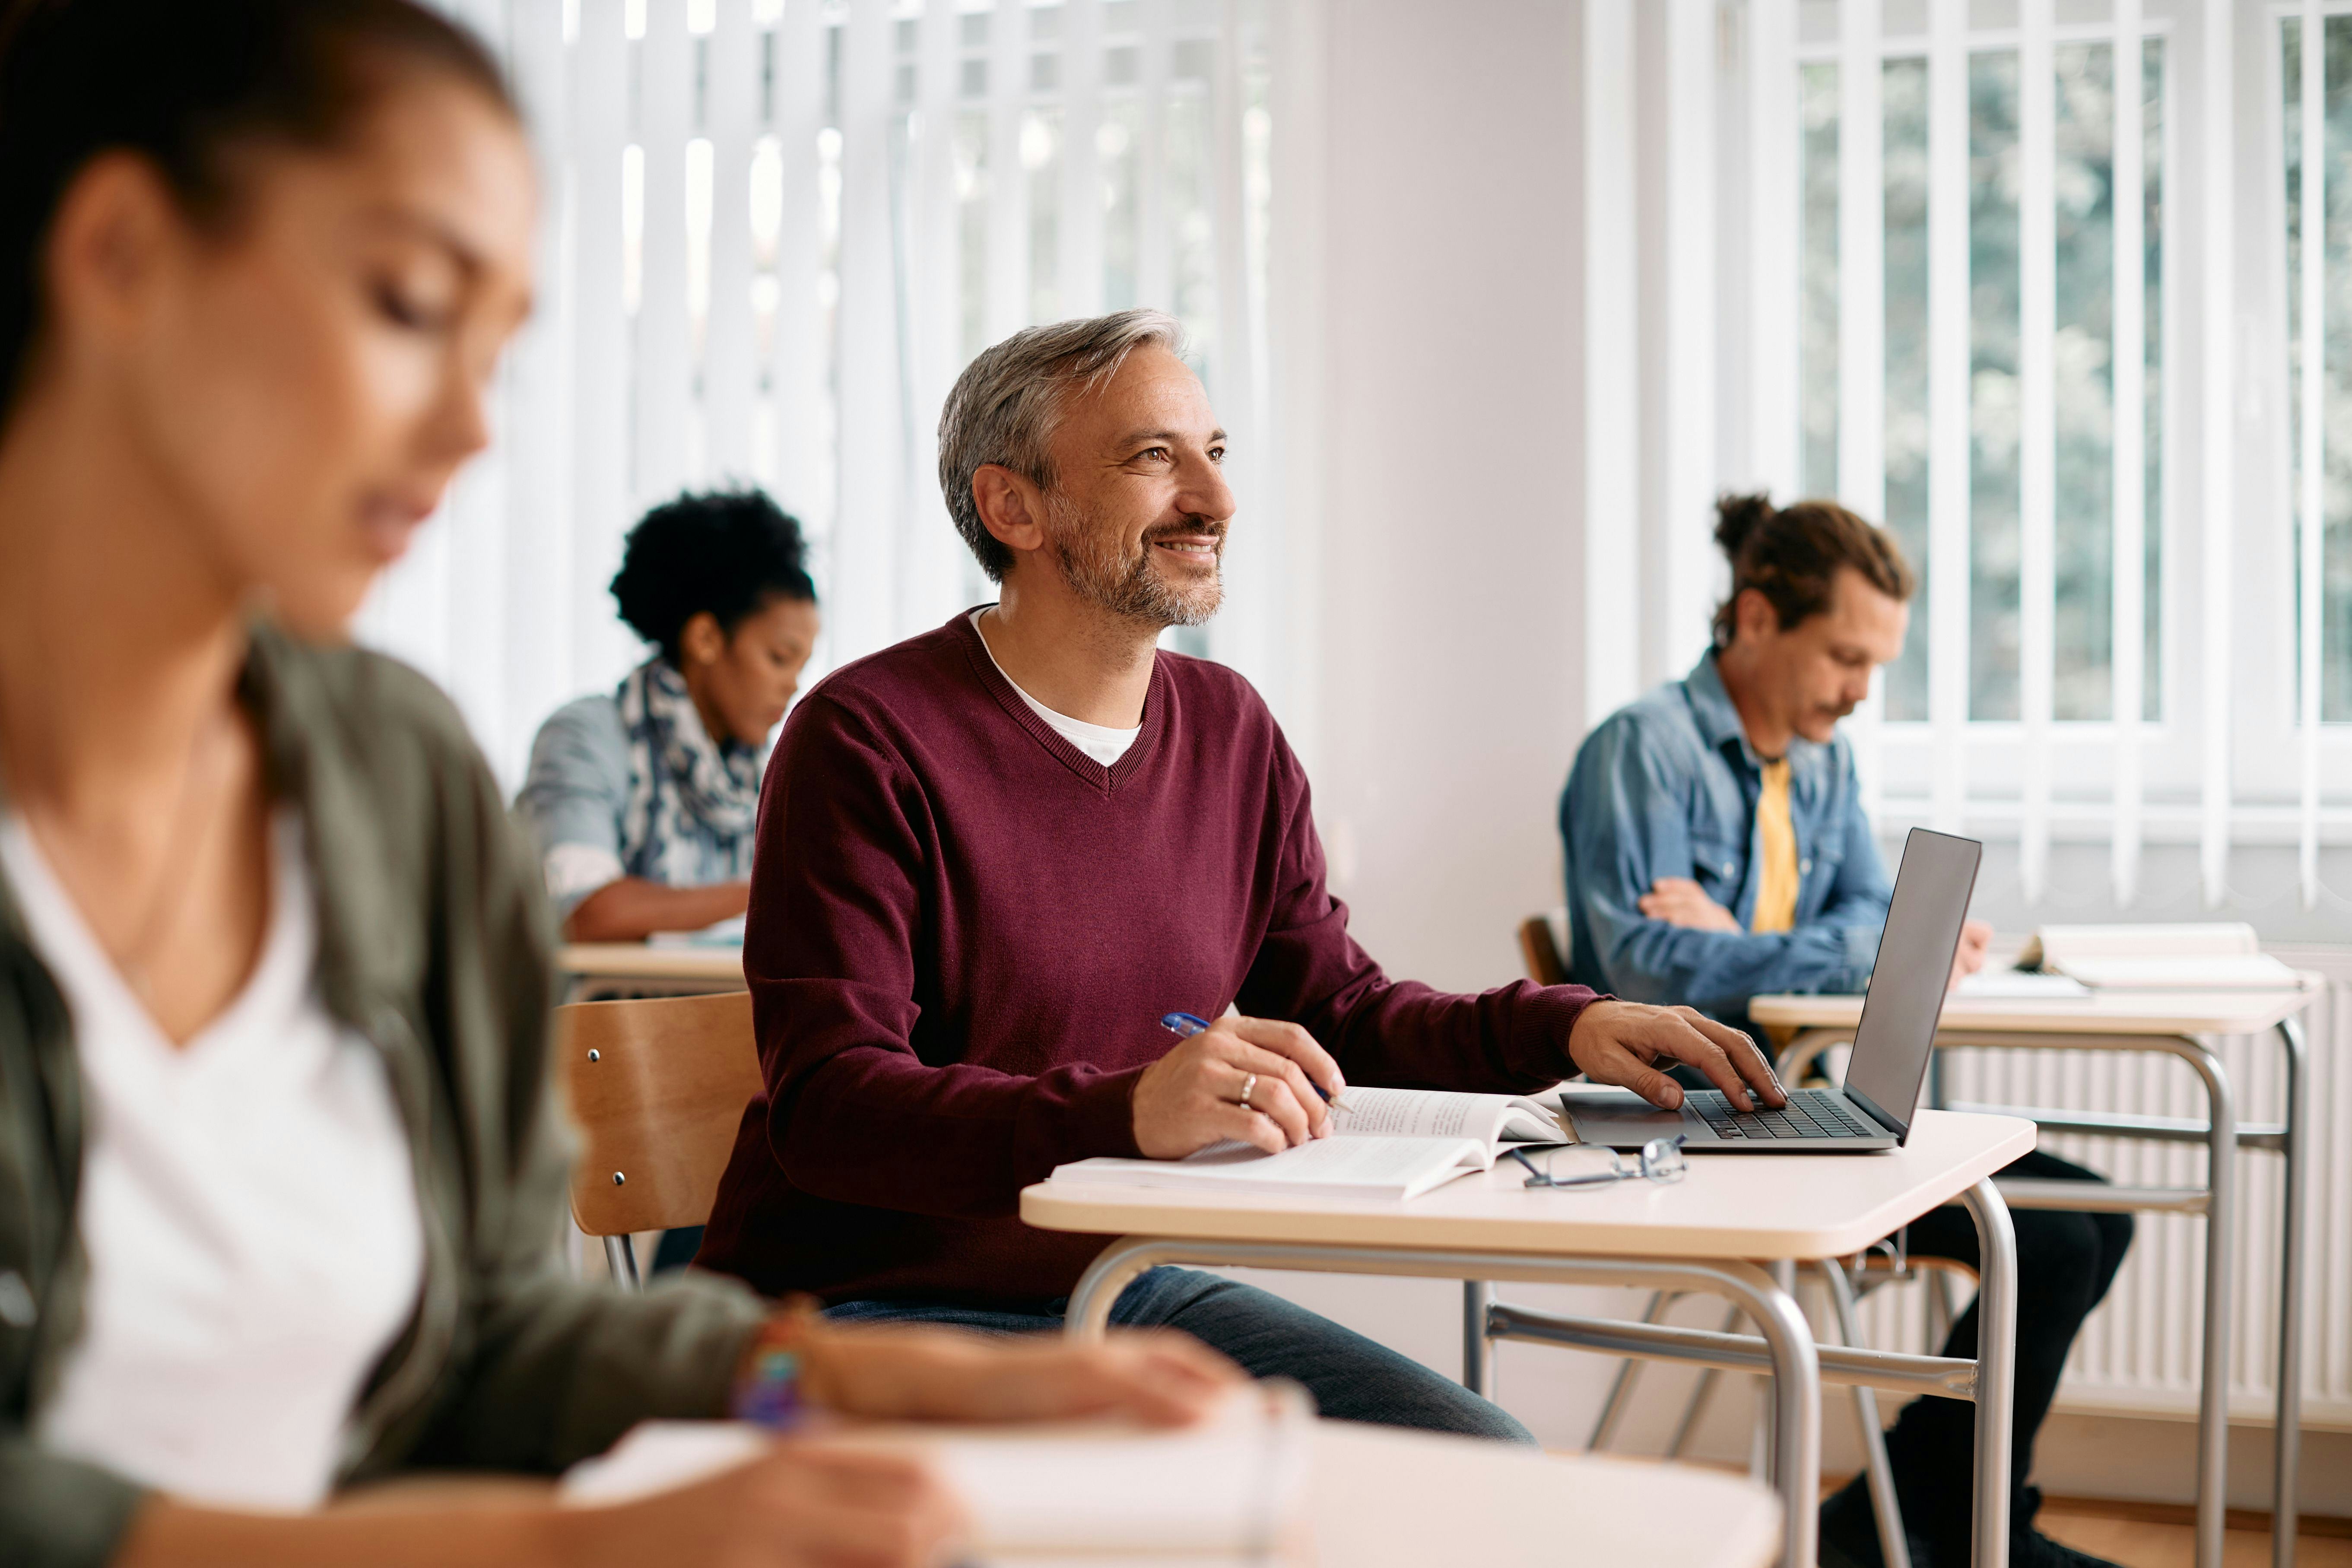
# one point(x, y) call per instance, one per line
point(1809, 1113)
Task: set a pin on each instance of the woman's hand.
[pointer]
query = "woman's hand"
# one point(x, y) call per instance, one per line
point(800, 1505)
point(912, 1373)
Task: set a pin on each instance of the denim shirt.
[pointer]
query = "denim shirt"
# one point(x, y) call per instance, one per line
point(1667, 787)
point(575, 802)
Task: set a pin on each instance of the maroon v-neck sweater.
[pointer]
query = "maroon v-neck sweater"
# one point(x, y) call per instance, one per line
point(964, 930)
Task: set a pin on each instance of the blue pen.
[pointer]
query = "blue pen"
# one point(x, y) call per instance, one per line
point(1184, 1025)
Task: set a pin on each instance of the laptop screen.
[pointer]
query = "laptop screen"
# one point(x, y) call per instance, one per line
point(1907, 986)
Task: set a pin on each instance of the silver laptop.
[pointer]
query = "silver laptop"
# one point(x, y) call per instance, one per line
point(1891, 1045)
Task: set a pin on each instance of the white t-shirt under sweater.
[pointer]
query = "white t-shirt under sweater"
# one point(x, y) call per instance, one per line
point(248, 1208)
point(1103, 744)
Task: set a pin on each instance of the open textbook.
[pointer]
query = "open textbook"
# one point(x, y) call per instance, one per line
point(1231, 1491)
point(1388, 1144)
point(2211, 957)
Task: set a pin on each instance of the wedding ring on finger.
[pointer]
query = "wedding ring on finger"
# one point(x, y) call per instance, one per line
point(1249, 1086)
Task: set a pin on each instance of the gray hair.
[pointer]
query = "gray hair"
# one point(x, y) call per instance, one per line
point(1005, 405)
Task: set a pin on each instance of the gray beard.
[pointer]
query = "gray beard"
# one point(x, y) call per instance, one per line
point(1124, 585)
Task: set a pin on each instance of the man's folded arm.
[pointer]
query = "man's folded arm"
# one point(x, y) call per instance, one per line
point(1397, 1033)
point(1626, 827)
point(853, 1114)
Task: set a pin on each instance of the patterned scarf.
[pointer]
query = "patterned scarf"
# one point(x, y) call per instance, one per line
point(691, 803)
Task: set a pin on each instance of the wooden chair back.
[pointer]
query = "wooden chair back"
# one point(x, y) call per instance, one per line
point(1541, 950)
point(656, 1086)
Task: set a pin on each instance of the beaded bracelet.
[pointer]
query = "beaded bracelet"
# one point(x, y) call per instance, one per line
point(769, 1390)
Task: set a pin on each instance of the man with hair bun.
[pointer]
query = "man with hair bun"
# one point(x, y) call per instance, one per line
point(1718, 851)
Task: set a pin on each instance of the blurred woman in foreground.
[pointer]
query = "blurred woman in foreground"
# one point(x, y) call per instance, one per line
point(278, 1184)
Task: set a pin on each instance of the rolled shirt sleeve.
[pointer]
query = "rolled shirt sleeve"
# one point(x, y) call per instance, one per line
point(572, 799)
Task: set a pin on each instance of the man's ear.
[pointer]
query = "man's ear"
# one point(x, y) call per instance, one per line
point(1753, 617)
point(1011, 508)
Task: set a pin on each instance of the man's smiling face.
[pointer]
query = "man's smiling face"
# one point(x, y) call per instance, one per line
point(1136, 516)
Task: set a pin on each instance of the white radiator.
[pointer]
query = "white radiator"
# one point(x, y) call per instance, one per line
point(2139, 1352)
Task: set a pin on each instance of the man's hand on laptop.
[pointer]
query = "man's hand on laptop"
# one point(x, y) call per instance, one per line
point(1679, 901)
point(1970, 956)
point(1621, 1043)
point(1193, 1096)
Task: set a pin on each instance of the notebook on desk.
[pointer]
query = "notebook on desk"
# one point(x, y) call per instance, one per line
point(1386, 1144)
point(1875, 1108)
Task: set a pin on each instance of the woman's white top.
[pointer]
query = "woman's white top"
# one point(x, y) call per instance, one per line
point(1100, 741)
point(248, 1209)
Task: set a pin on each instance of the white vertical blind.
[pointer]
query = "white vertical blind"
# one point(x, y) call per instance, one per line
point(1772, 278)
point(753, 267)
point(2218, 345)
point(874, 483)
point(2312, 416)
point(1862, 319)
point(1008, 177)
point(600, 383)
point(800, 366)
point(2037, 413)
point(663, 377)
point(731, 129)
point(536, 436)
point(1080, 268)
point(1691, 252)
point(1947, 409)
point(2128, 575)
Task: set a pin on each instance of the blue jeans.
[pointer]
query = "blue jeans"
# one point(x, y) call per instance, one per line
point(1351, 1378)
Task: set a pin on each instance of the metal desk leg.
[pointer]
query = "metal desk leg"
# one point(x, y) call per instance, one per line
point(2220, 1250)
point(1893, 1545)
point(1477, 1353)
point(1788, 1338)
point(1996, 1369)
point(2287, 1457)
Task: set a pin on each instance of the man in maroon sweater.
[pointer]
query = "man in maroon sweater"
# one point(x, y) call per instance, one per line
point(992, 857)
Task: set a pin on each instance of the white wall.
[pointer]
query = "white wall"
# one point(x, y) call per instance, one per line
point(1451, 461)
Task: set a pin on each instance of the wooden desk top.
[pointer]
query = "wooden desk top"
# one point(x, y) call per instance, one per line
point(1384, 1498)
point(1729, 1206)
point(2100, 1013)
point(642, 961)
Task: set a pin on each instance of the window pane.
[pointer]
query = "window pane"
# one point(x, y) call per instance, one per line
point(2335, 456)
point(1817, 339)
point(1904, 94)
point(2083, 381)
point(1993, 326)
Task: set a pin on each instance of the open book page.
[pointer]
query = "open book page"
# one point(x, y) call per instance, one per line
point(1361, 1166)
point(2052, 947)
point(1229, 1490)
point(1491, 1119)
point(2223, 956)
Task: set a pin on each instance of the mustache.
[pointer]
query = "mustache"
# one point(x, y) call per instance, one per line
point(1211, 526)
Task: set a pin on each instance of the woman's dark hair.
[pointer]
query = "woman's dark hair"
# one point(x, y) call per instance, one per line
point(726, 553)
point(1793, 555)
point(185, 84)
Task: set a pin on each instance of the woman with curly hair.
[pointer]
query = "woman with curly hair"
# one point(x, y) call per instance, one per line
point(643, 801)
